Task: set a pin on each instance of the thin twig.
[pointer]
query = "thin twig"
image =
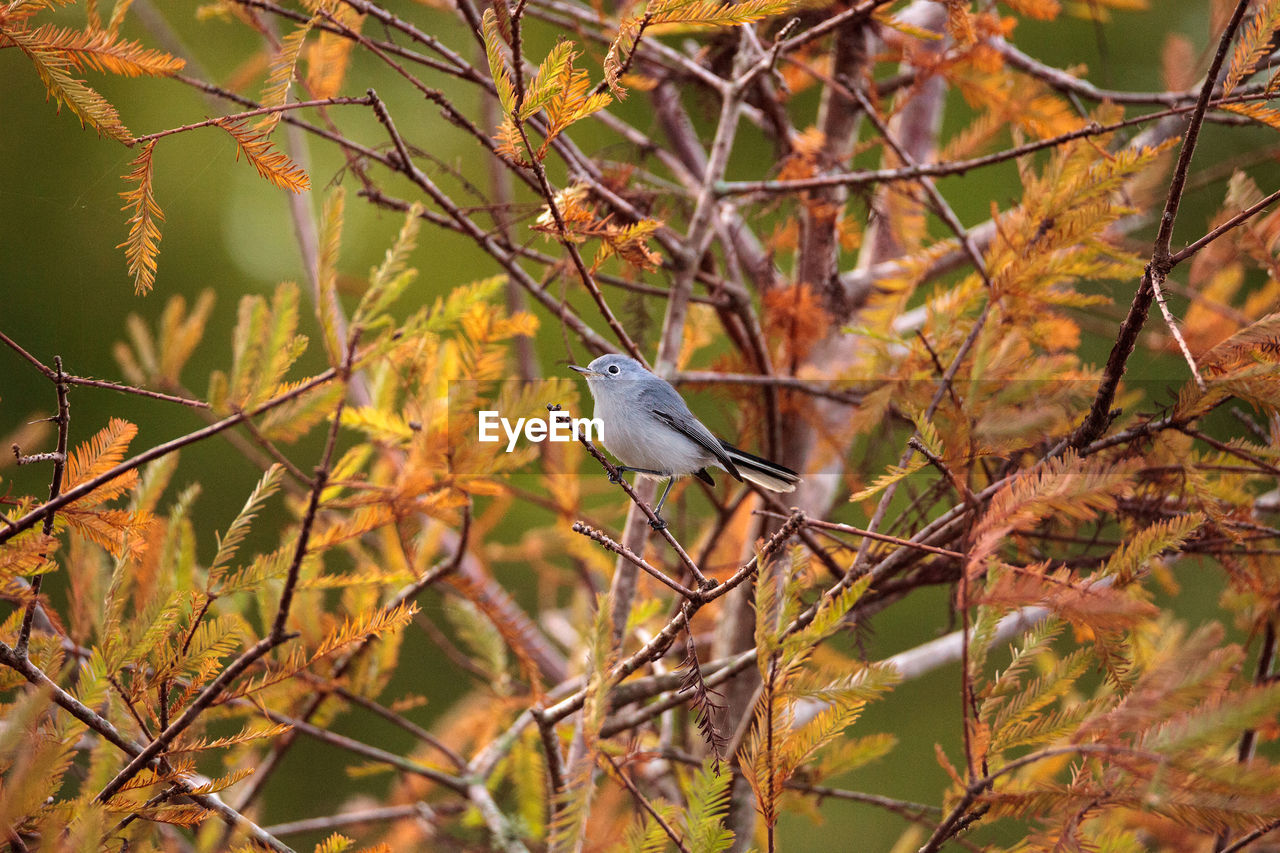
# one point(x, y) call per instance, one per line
point(917, 812)
point(1249, 739)
point(404, 723)
point(557, 772)
point(1066, 82)
point(49, 372)
point(940, 205)
point(109, 732)
point(372, 753)
point(1259, 463)
point(660, 642)
point(623, 551)
point(454, 65)
point(483, 238)
point(133, 389)
point(1172, 325)
point(1249, 837)
point(976, 787)
point(645, 804)
point(277, 636)
point(378, 814)
point(318, 483)
point(203, 700)
point(710, 377)
point(260, 111)
point(1234, 222)
point(63, 420)
point(89, 486)
point(1099, 416)
point(281, 746)
point(615, 476)
point(870, 534)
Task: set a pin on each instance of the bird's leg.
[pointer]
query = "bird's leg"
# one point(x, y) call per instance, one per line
point(658, 523)
point(622, 469)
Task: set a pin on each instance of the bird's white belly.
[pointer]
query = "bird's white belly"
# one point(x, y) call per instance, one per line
point(641, 440)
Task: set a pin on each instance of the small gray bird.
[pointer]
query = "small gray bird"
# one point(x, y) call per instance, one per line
point(648, 427)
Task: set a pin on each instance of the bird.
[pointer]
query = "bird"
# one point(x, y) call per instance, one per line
point(646, 425)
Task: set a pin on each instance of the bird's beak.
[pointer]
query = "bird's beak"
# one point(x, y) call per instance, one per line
point(585, 371)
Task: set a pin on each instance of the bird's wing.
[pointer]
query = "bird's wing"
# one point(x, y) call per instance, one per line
point(691, 428)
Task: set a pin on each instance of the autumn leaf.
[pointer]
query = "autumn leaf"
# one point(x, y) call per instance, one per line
point(143, 244)
point(270, 163)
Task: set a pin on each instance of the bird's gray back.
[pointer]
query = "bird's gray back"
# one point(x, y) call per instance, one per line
point(635, 413)
point(654, 393)
point(659, 396)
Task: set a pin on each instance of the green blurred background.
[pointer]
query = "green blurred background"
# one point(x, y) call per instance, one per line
point(66, 291)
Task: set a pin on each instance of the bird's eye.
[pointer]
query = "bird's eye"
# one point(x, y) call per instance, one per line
point(613, 368)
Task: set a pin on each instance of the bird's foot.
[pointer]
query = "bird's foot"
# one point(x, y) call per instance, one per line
point(657, 523)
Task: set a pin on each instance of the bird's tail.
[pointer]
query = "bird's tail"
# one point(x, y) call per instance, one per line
point(762, 472)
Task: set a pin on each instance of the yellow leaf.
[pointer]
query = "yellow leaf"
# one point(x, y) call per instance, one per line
point(143, 244)
point(102, 50)
point(330, 57)
point(283, 64)
point(53, 66)
point(101, 453)
point(270, 163)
